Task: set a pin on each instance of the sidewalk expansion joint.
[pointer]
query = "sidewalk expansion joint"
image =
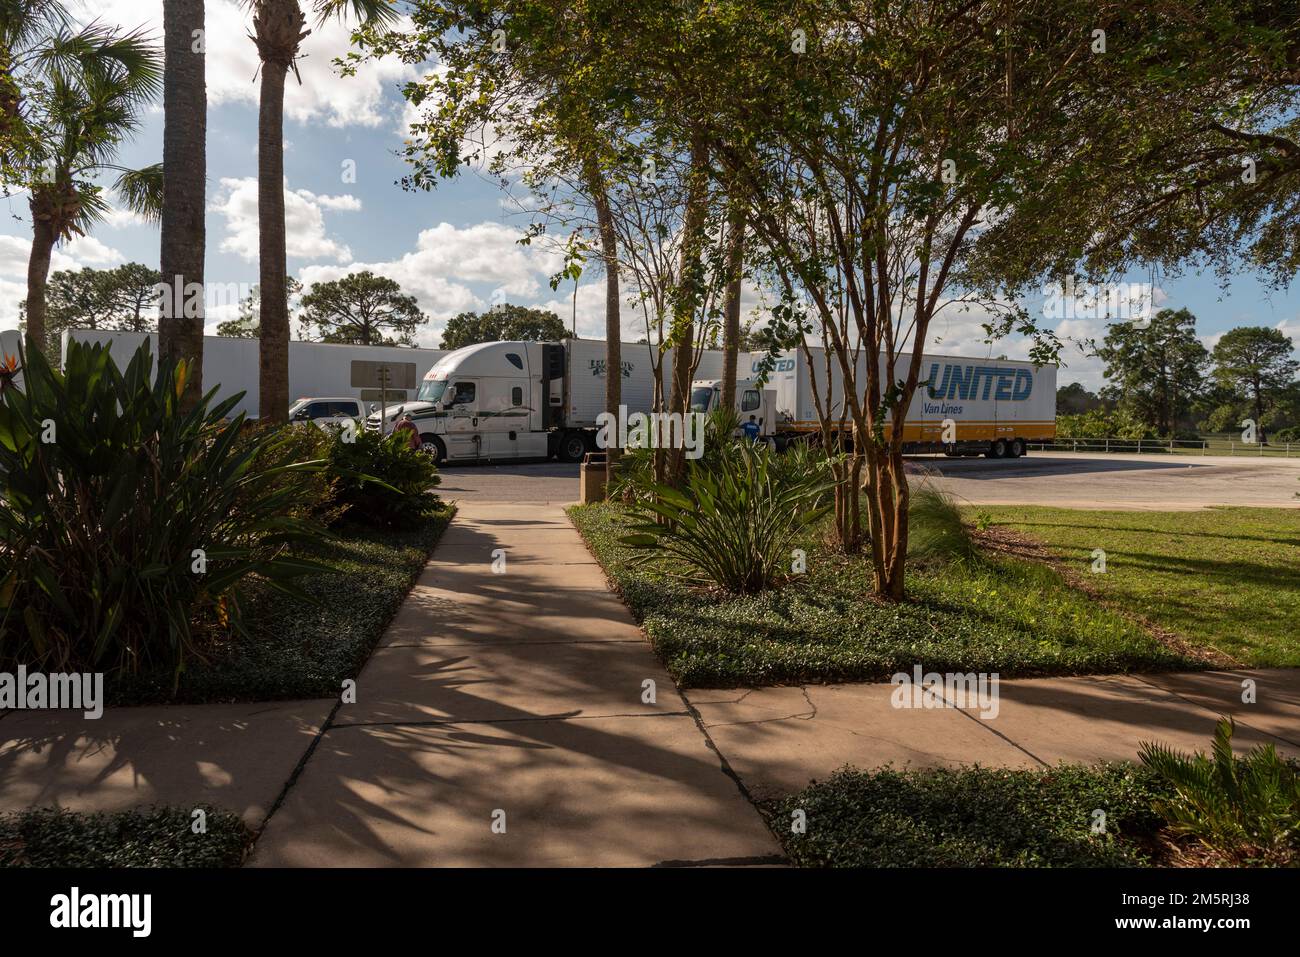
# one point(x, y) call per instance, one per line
point(296, 773)
point(992, 730)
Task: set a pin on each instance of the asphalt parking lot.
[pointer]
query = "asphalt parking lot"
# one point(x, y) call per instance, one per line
point(1082, 480)
point(1072, 480)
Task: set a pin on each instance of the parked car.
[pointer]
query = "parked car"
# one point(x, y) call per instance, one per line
point(330, 410)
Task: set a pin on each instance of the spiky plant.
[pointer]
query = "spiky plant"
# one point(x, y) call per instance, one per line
point(1243, 808)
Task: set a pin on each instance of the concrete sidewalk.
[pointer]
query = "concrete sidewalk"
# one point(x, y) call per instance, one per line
point(505, 720)
point(779, 739)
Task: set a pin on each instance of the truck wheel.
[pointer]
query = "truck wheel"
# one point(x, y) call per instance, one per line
point(432, 445)
point(998, 449)
point(1016, 448)
point(572, 447)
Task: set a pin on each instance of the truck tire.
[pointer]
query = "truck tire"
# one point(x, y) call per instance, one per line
point(573, 446)
point(432, 445)
point(1016, 448)
point(997, 449)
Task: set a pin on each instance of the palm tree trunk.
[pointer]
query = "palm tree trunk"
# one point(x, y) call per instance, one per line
point(273, 349)
point(185, 128)
point(38, 271)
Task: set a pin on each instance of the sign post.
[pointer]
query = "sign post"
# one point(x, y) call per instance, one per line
point(384, 377)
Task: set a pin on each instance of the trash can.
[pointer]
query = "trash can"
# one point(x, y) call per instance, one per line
point(591, 478)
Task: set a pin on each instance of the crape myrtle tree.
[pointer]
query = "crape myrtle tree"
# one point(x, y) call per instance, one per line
point(1203, 131)
point(885, 149)
point(535, 82)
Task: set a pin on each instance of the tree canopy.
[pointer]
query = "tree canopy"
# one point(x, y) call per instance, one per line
point(503, 323)
point(363, 309)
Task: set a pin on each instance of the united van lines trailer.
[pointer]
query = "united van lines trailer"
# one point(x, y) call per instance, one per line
point(509, 400)
point(315, 368)
point(995, 406)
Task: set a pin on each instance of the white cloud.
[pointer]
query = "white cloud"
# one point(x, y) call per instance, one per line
point(457, 269)
point(85, 251)
point(304, 222)
point(233, 66)
point(16, 250)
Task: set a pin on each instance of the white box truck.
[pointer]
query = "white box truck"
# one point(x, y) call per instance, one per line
point(995, 406)
point(315, 368)
point(516, 400)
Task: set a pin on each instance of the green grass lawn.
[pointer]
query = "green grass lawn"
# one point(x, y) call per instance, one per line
point(1014, 617)
point(299, 650)
point(155, 837)
point(1224, 578)
point(974, 817)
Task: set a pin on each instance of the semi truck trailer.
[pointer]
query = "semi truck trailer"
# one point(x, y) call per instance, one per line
point(962, 405)
point(519, 400)
point(370, 374)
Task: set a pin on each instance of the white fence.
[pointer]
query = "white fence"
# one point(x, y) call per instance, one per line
point(1169, 446)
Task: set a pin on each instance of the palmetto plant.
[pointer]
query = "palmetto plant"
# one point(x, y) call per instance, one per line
point(1244, 808)
point(69, 96)
point(279, 26)
point(731, 525)
point(128, 522)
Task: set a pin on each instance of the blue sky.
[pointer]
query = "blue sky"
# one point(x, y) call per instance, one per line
point(453, 248)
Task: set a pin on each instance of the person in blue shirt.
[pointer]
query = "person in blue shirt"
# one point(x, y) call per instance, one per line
point(751, 429)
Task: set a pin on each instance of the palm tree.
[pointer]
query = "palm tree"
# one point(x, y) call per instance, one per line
point(185, 131)
point(279, 26)
point(70, 96)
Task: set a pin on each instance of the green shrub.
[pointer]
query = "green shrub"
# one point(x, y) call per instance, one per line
point(1243, 809)
point(1102, 424)
point(315, 492)
point(732, 526)
point(935, 526)
point(127, 523)
point(381, 479)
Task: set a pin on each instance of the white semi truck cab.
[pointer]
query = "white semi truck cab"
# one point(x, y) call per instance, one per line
point(517, 400)
point(752, 403)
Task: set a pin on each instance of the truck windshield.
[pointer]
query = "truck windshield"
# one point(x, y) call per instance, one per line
point(431, 390)
point(701, 398)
